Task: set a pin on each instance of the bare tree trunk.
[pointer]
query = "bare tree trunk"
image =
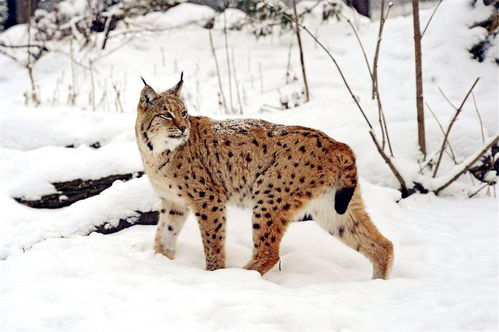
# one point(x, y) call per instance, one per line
point(302, 59)
point(419, 78)
point(361, 6)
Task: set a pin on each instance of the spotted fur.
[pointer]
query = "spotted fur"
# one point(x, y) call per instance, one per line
point(283, 172)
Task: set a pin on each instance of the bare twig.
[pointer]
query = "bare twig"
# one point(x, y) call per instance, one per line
point(228, 62)
point(72, 93)
point(118, 100)
point(465, 166)
point(332, 58)
point(479, 117)
point(381, 114)
point(403, 186)
point(458, 111)
point(218, 72)
point(419, 78)
point(237, 84)
point(163, 61)
point(371, 132)
point(476, 192)
point(452, 155)
point(111, 51)
point(9, 56)
point(33, 96)
point(382, 21)
point(261, 76)
point(29, 45)
point(360, 44)
point(107, 29)
point(288, 66)
point(447, 99)
point(431, 17)
point(92, 85)
point(302, 58)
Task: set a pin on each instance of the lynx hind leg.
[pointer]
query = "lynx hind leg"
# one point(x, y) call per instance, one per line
point(272, 213)
point(268, 229)
point(356, 230)
point(171, 221)
point(361, 234)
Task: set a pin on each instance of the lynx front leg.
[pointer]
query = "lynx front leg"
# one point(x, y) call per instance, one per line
point(171, 221)
point(211, 219)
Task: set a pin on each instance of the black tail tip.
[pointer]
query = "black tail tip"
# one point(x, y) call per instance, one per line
point(342, 198)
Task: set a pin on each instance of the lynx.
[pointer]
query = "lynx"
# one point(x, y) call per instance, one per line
point(283, 172)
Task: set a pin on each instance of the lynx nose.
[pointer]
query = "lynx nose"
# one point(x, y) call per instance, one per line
point(182, 129)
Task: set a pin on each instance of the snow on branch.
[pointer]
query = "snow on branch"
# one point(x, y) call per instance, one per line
point(443, 182)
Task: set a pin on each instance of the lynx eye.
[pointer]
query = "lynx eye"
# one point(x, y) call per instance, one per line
point(184, 114)
point(167, 116)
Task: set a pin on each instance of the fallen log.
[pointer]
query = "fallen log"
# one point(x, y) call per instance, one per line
point(150, 219)
point(69, 192)
point(144, 218)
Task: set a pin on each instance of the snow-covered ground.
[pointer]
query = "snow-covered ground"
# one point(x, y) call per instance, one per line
point(53, 278)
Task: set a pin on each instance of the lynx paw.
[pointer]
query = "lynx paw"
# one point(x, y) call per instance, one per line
point(159, 249)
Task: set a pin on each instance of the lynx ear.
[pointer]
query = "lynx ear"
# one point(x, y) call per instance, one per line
point(177, 89)
point(148, 95)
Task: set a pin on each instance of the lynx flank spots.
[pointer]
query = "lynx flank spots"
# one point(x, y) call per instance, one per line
point(283, 172)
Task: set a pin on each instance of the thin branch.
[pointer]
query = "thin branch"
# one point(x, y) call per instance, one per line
point(360, 44)
point(41, 47)
point(371, 132)
point(452, 155)
point(334, 61)
point(476, 192)
point(288, 67)
point(403, 186)
point(381, 114)
point(237, 84)
point(479, 117)
point(111, 51)
point(228, 61)
point(13, 58)
point(431, 17)
point(300, 48)
point(107, 29)
point(458, 111)
point(261, 76)
point(118, 100)
point(378, 44)
point(447, 99)
point(309, 10)
point(218, 71)
point(465, 166)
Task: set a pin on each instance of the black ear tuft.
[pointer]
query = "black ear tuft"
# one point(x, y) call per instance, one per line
point(342, 198)
point(177, 89)
point(143, 80)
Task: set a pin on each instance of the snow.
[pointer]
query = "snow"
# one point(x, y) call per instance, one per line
point(55, 274)
point(444, 277)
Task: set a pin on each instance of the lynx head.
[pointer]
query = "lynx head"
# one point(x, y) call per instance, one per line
point(162, 118)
